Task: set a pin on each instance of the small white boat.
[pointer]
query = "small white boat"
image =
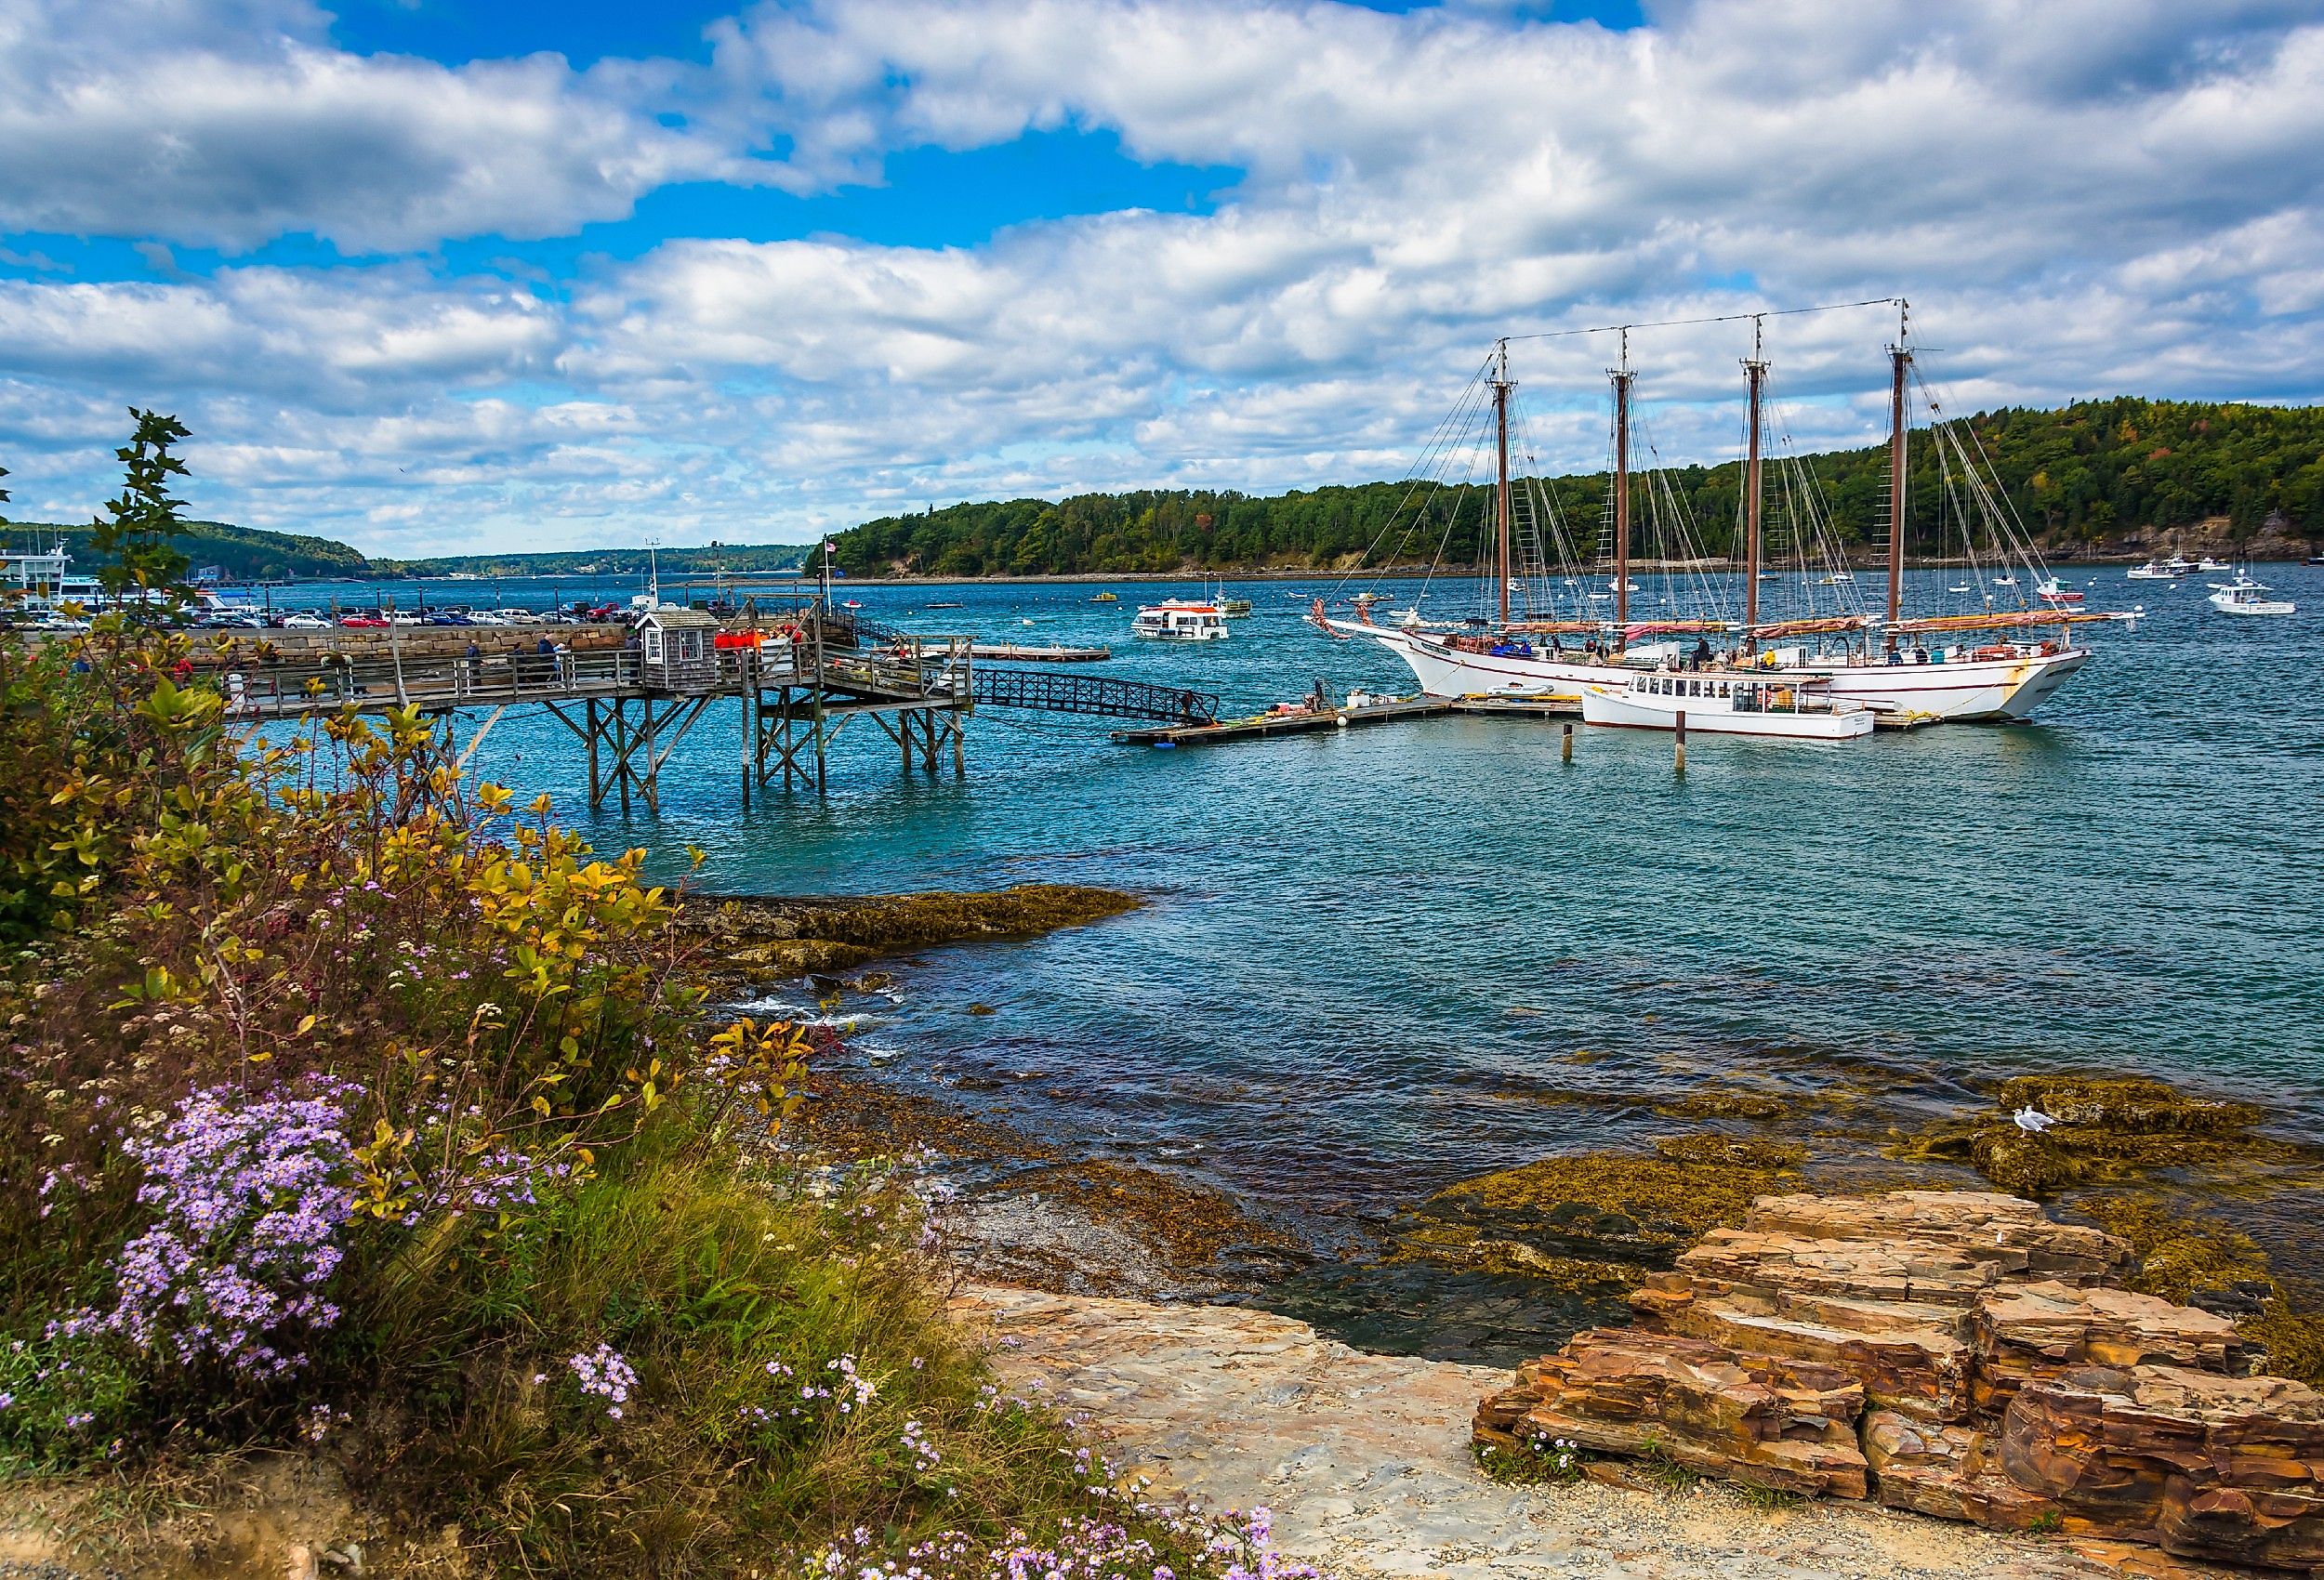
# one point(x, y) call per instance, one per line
point(1617, 587)
point(2004, 581)
point(1957, 588)
point(2180, 565)
point(2244, 595)
point(1179, 620)
point(2051, 590)
point(1727, 704)
point(2208, 563)
point(2152, 572)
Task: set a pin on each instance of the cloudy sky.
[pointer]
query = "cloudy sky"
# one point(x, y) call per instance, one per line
point(443, 274)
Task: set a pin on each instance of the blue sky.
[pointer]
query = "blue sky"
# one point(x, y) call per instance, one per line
point(421, 276)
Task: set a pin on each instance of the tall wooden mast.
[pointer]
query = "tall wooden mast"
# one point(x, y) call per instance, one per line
point(1622, 376)
point(1755, 370)
point(1900, 359)
point(1500, 489)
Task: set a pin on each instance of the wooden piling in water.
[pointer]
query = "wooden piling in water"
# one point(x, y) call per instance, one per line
point(1566, 747)
point(1679, 762)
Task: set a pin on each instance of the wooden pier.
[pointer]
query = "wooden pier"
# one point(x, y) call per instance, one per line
point(1392, 710)
point(629, 706)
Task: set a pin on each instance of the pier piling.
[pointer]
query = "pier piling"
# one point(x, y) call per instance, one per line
point(1679, 761)
point(1566, 747)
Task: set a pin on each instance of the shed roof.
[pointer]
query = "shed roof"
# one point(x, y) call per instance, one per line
point(677, 619)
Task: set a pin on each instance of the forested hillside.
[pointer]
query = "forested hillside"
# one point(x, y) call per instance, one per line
point(735, 559)
point(241, 553)
point(2083, 477)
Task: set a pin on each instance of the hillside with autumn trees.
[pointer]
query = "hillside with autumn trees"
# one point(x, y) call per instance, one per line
point(2094, 477)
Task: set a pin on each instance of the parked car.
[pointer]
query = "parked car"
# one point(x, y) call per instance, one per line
point(449, 618)
point(364, 621)
point(516, 616)
point(303, 622)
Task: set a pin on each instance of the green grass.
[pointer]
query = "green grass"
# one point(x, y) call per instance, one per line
point(704, 1275)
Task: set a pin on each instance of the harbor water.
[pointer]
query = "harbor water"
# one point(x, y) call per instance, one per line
point(1370, 959)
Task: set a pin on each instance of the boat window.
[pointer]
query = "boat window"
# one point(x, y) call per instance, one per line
point(1723, 688)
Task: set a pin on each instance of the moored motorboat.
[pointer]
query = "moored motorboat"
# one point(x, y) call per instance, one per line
point(2152, 572)
point(1740, 704)
point(2051, 590)
point(2244, 595)
point(1180, 620)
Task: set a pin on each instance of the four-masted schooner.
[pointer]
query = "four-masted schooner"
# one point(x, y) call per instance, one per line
point(1988, 664)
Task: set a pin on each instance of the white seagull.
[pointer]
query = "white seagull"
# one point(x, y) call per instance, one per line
point(2032, 1121)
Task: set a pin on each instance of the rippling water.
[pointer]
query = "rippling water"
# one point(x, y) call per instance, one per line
point(1369, 955)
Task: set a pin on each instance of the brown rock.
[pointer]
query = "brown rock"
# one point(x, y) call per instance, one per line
point(1947, 1470)
point(1747, 1418)
point(1770, 1263)
point(2008, 1232)
point(1953, 1353)
point(1905, 1356)
point(2044, 1330)
point(2200, 1465)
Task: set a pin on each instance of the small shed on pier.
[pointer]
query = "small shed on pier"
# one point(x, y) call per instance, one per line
point(675, 649)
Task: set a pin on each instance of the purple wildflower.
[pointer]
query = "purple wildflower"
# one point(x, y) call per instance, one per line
point(248, 1200)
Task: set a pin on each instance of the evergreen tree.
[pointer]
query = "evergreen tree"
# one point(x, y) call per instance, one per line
point(136, 533)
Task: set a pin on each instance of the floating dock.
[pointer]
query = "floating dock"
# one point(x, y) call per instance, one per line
point(1052, 653)
point(1387, 711)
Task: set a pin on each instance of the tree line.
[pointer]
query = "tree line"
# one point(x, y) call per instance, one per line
point(2078, 476)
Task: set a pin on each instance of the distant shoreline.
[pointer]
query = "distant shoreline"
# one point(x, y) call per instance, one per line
point(1419, 572)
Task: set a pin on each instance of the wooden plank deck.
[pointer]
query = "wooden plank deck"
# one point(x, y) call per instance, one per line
point(1269, 726)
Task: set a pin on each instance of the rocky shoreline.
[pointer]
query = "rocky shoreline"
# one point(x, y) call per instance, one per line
point(1117, 1257)
point(1364, 1463)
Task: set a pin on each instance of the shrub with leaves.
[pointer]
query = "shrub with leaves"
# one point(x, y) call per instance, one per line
point(347, 1110)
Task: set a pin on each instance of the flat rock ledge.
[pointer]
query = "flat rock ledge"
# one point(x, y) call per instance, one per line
point(1365, 1461)
point(1953, 1353)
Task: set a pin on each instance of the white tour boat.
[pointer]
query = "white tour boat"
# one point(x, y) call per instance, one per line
point(2244, 595)
point(1739, 703)
point(1180, 620)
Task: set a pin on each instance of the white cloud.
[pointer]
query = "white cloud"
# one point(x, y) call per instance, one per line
point(2082, 199)
point(229, 127)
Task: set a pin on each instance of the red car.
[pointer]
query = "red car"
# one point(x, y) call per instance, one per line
point(364, 621)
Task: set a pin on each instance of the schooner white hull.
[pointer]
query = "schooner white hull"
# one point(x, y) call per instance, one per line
point(1990, 689)
point(1997, 689)
point(1446, 671)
